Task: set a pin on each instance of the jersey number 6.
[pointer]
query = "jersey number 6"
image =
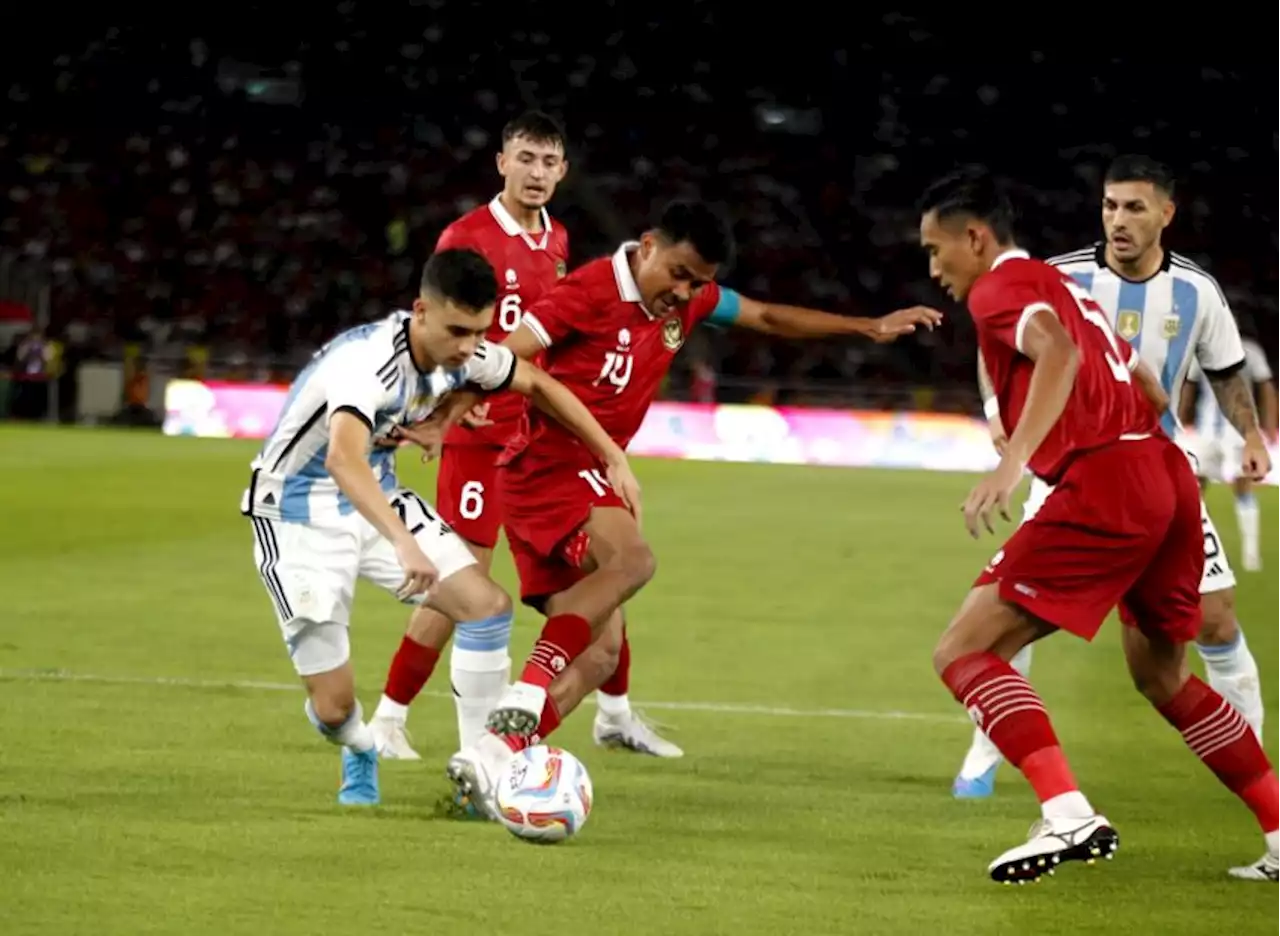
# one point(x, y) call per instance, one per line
point(1092, 313)
point(509, 312)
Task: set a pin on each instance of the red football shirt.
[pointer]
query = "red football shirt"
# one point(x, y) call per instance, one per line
point(1105, 404)
point(527, 266)
point(605, 346)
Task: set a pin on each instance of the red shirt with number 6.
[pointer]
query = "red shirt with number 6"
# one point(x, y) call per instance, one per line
point(1105, 405)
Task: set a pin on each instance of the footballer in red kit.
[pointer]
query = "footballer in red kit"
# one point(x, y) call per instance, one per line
point(1121, 528)
point(611, 330)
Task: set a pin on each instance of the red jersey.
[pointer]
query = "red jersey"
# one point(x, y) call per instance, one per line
point(605, 346)
point(528, 266)
point(1105, 404)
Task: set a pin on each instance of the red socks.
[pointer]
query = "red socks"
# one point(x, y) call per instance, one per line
point(563, 638)
point(1219, 736)
point(411, 667)
point(549, 722)
point(1002, 703)
point(620, 681)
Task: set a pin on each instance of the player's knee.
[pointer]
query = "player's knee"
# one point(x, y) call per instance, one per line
point(1158, 683)
point(486, 601)
point(1220, 626)
point(637, 562)
point(333, 705)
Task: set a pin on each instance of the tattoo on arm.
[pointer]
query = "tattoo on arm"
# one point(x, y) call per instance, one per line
point(1235, 399)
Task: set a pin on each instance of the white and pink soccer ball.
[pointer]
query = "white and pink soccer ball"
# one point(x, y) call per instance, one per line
point(544, 795)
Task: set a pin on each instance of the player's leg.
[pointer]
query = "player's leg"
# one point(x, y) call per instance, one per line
point(1228, 662)
point(617, 725)
point(977, 776)
point(310, 574)
point(1249, 520)
point(619, 563)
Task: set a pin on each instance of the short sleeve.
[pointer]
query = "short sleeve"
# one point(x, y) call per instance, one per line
point(1001, 309)
point(1219, 347)
point(352, 384)
point(1255, 362)
point(557, 315)
point(454, 237)
point(717, 305)
point(491, 369)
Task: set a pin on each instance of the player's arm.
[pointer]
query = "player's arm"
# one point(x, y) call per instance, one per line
point(1149, 384)
point(560, 403)
point(347, 462)
point(1234, 393)
point(991, 407)
point(1056, 358)
point(1187, 403)
point(788, 321)
point(1269, 407)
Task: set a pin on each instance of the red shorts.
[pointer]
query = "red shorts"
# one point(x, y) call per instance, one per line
point(547, 496)
point(467, 492)
point(1121, 528)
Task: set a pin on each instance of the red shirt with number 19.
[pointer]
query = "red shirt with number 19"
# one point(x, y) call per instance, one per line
point(1105, 405)
point(527, 266)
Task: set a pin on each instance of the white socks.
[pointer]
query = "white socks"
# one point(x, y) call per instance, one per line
point(613, 707)
point(390, 708)
point(352, 733)
point(1233, 674)
point(480, 677)
point(1247, 519)
point(1071, 805)
point(983, 755)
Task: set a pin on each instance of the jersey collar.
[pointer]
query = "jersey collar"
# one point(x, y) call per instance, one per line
point(1100, 258)
point(511, 227)
point(628, 290)
point(1014, 254)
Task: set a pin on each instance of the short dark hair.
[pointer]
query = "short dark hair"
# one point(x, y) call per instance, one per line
point(700, 225)
point(1134, 168)
point(534, 125)
point(974, 192)
point(462, 277)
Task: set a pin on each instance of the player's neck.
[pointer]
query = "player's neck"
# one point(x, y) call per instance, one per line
point(528, 218)
point(1140, 268)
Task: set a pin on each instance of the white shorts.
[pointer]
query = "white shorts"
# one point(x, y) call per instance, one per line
point(310, 573)
point(1215, 456)
point(1217, 570)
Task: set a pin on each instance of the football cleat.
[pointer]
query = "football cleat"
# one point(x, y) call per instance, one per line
point(519, 711)
point(632, 732)
point(359, 778)
point(474, 772)
point(1052, 842)
point(392, 739)
point(979, 787)
point(1266, 868)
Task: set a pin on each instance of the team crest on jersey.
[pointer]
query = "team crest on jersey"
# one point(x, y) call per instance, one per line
point(561, 269)
point(511, 277)
point(672, 334)
point(1128, 324)
point(1172, 325)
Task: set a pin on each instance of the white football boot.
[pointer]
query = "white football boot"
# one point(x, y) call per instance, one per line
point(1266, 868)
point(475, 771)
point(519, 711)
point(1050, 843)
point(392, 739)
point(632, 732)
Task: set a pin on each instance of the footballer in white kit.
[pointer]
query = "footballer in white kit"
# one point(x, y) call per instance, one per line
point(1172, 313)
point(1217, 448)
point(327, 509)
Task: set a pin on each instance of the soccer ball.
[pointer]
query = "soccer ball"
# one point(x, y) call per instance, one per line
point(544, 795)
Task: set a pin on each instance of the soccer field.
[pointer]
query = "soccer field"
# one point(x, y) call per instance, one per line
point(157, 774)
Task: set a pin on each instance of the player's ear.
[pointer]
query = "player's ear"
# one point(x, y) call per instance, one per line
point(563, 170)
point(647, 245)
point(500, 160)
point(419, 308)
point(1168, 211)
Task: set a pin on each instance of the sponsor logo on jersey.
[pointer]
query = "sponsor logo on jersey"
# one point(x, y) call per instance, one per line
point(561, 269)
point(672, 334)
point(511, 277)
point(1128, 324)
point(1172, 325)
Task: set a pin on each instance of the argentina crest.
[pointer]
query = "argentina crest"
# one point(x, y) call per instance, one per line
point(1128, 324)
point(1172, 325)
point(672, 334)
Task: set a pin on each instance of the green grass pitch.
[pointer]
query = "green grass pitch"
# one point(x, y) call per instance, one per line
point(157, 774)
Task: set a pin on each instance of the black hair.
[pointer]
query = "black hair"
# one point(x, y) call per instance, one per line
point(462, 277)
point(975, 193)
point(1135, 168)
point(701, 226)
point(536, 126)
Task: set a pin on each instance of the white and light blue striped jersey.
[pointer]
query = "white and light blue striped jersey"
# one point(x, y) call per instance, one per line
point(1209, 418)
point(368, 371)
point(1171, 319)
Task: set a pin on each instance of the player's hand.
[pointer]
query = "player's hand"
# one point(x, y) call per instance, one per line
point(991, 493)
point(624, 482)
point(476, 417)
point(905, 322)
point(999, 438)
point(427, 435)
point(1255, 463)
point(419, 571)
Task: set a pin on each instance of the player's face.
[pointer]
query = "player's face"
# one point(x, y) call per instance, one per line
point(670, 275)
point(956, 250)
point(531, 170)
point(445, 333)
point(1134, 214)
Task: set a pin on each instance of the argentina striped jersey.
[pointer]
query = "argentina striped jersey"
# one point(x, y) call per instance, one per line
point(1172, 319)
point(368, 371)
